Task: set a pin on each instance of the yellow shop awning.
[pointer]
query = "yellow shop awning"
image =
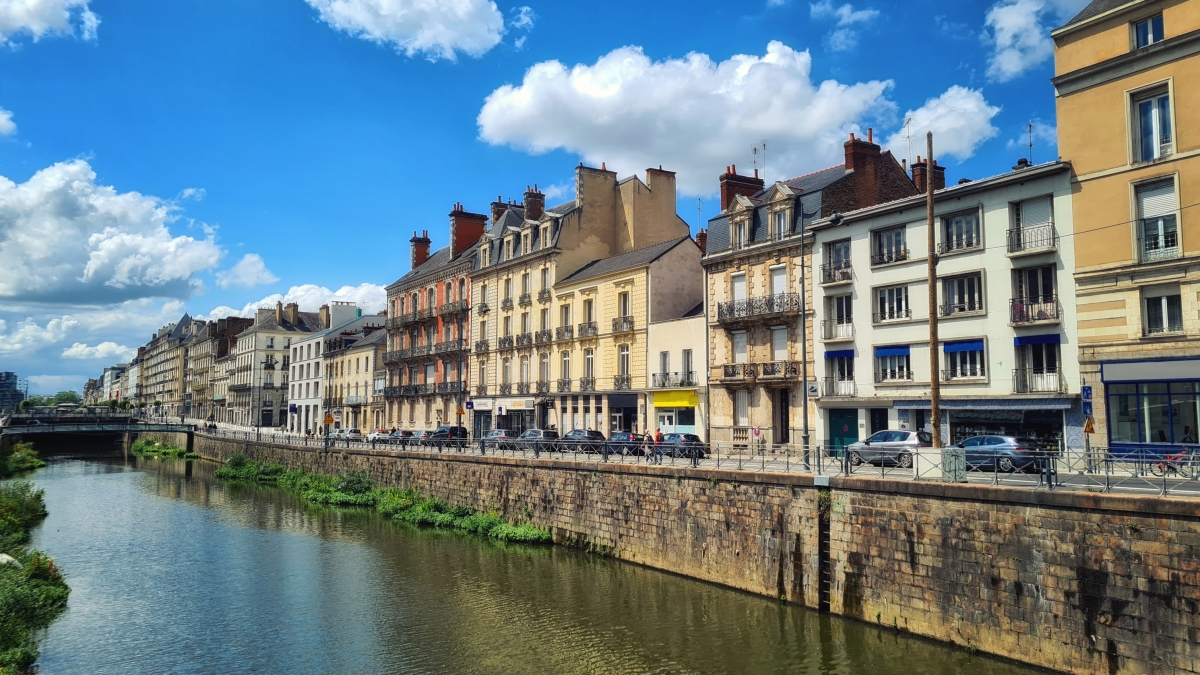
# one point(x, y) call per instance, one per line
point(685, 398)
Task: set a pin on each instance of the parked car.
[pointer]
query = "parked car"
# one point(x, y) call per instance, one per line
point(583, 440)
point(1001, 453)
point(891, 447)
point(446, 435)
point(422, 437)
point(400, 437)
point(500, 440)
point(626, 443)
point(353, 435)
point(335, 434)
point(378, 435)
point(681, 445)
point(544, 440)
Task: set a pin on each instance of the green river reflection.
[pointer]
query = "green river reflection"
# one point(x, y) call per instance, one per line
point(174, 572)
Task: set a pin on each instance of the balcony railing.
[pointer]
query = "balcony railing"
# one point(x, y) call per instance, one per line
point(960, 243)
point(506, 389)
point(392, 391)
point(1158, 247)
point(739, 372)
point(506, 303)
point(564, 385)
point(1162, 329)
point(543, 386)
point(952, 308)
point(837, 329)
point(762, 307)
point(482, 346)
point(1033, 239)
point(523, 388)
point(482, 308)
point(505, 342)
point(391, 357)
point(452, 307)
point(415, 352)
point(621, 382)
point(525, 340)
point(837, 273)
point(889, 257)
point(964, 373)
point(1038, 380)
point(779, 370)
point(687, 379)
point(564, 333)
point(587, 384)
point(544, 295)
point(481, 390)
point(543, 337)
point(1034, 310)
point(525, 299)
point(891, 315)
point(356, 400)
point(449, 387)
point(245, 386)
point(590, 329)
point(833, 387)
point(893, 376)
point(621, 324)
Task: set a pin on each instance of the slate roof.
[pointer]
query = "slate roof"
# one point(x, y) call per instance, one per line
point(562, 209)
point(514, 217)
point(616, 263)
point(377, 337)
point(309, 322)
point(1095, 8)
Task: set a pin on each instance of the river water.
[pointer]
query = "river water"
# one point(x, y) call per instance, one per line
point(172, 571)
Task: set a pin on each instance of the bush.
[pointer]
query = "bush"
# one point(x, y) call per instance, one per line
point(356, 483)
point(236, 462)
point(20, 457)
point(30, 596)
point(143, 447)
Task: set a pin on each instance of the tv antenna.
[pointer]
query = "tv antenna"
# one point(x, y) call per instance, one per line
point(699, 207)
point(1029, 128)
point(754, 150)
point(908, 137)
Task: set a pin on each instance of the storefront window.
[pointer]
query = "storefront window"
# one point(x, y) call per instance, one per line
point(1122, 413)
point(1185, 411)
point(1154, 412)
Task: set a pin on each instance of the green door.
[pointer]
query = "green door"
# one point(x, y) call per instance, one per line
point(843, 428)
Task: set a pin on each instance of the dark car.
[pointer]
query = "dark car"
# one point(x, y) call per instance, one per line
point(401, 438)
point(542, 440)
point(682, 445)
point(583, 440)
point(1001, 453)
point(448, 436)
point(499, 440)
point(626, 443)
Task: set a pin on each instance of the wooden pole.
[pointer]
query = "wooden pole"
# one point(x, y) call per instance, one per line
point(935, 394)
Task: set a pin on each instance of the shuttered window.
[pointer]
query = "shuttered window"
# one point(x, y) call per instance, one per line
point(739, 286)
point(778, 280)
point(779, 343)
point(739, 347)
point(1034, 212)
point(1158, 199)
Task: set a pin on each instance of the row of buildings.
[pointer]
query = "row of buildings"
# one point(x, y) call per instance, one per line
point(1064, 291)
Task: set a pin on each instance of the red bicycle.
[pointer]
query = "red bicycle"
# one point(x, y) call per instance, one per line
point(1180, 464)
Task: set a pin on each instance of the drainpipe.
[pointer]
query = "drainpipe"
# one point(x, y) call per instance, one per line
point(804, 346)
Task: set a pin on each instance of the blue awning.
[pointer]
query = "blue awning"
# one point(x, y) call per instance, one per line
point(1052, 339)
point(892, 351)
point(840, 354)
point(963, 346)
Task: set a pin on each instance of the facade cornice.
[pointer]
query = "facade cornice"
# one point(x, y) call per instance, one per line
point(1136, 61)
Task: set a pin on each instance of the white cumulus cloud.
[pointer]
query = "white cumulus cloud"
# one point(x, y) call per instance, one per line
point(250, 271)
point(844, 37)
point(7, 125)
point(66, 238)
point(371, 298)
point(39, 18)
point(1019, 34)
point(691, 115)
point(437, 29)
point(29, 337)
point(108, 351)
point(960, 119)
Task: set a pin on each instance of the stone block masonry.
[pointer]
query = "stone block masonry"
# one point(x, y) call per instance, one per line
point(1075, 582)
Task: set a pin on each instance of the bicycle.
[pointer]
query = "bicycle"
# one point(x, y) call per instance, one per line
point(1180, 464)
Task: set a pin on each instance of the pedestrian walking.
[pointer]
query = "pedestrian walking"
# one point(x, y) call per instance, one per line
point(658, 439)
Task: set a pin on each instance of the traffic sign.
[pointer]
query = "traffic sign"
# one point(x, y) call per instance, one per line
point(1087, 408)
point(328, 418)
point(470, 405)
point(1089, 427)
point(1085, 392)
point(461, 411)
point(757, 432)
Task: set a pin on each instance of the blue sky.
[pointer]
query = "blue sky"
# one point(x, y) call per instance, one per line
point(211, 155)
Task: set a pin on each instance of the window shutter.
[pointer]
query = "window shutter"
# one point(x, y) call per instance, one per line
point(779, 344)
point(1035, 211)
point(1158, 200)
point(739, 287)
point(778, 281)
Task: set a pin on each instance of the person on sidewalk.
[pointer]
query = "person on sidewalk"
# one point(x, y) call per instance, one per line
point(658, 452)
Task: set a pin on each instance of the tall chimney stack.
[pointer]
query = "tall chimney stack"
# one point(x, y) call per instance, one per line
point(420, 248)
point(465, 229)
point(733, 185)
point(702, 241)
point(535, 203)
point(279, 312)
point(293, 313)
point(324, 312)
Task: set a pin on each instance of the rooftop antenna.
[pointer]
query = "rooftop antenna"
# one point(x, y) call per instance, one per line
point(1030, 129)
point(699, 207)
point(908, 137)
point(754, 150)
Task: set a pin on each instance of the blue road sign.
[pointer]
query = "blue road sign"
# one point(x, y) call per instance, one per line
point(1085, 392)
point(470, 405)
point(1087, 408)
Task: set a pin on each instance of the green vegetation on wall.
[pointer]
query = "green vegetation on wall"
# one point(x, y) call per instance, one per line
point(20, 457)
point(144, 447)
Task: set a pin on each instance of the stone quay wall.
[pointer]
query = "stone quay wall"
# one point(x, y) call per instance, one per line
point(1070, 581)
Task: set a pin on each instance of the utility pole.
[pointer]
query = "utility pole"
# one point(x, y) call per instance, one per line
point(935, 393)
point(804, 265)
point(462, 375)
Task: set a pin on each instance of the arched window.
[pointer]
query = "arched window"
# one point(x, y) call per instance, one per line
point(462, 289)
point(430, 299)
point(447, 295)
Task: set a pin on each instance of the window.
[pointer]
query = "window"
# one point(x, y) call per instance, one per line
point(962, 294)
point(739, 235)
point(889, 246)
point(1163, 312)
point(447, 333)
point(508, 248)
point(564, 315)
point(739, 286)
point(1031, 221)
point(506, 372)
point(430, 299)
point(781, 225)
point(1152, 133)
point(778, 280)
point(588, 313)
point(448, 293)
point(1148, 31)
point(687, 361)
point(483, 373)
point(841, 368)
point(741, 408)
point(892, 303)
point(892, 363)
point(508, 289)
point(483, 293)
point(525, 369)
point(545, 278)
point(525, 322)
point(779, 348)
point(430, 373)
point(525, 282)
point(841, 310)
point(544, 368)
point(545, 236)
point(507, 326)
point(623, 360)
point(1157, 206)
point(525, 248)
point(739, 346)
point(462, 289)
point(589, 363)
point(270, 343)
point(483, 330)
point(664, 362)
point(565, 366)
point(964, 358)
point(838, 252)
point(1154, 412)
point(623, 307)
point(960, 232)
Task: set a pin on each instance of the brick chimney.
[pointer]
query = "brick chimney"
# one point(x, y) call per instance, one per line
point(702, 241)
point(498, 209)
point(535, 203)
point(324, 312)
point(920, 174)
point(420, 248)
point(733, 185)
point(293, 313)
point(465, 229)
point(862, 157)
point(279, 312)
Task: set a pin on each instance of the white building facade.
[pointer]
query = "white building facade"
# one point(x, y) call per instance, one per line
point(1007, 357)
point(677, 359)
point(306, 407)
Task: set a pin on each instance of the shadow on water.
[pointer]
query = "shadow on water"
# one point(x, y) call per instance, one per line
point(173, 571)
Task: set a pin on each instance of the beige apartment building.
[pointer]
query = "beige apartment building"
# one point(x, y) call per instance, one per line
point(350, 358)
point(258, 380)
point(1127, 86)
point(530, 365)
point(162, 369)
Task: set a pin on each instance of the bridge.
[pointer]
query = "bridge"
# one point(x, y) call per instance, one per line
point(62, 432)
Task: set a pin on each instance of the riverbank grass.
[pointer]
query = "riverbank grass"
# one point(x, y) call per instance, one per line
point(32, 590)
point(145, 447)
point(357, 489)
point(18, 458)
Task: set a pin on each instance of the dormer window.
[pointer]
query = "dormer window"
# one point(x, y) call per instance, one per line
point(1148, 31)
point(508, 248)
point(525, 246)
point(739, 235)
point(781, 225)
point(545, 236)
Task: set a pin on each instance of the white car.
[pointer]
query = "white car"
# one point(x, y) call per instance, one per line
point(353, 434)
point(378, 435)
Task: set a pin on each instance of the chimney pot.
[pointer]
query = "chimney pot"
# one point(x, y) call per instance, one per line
point(870, 135)
point(756, 172)
point(603, 166)
point(702, 241)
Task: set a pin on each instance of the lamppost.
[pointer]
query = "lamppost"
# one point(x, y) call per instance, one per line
point(462, 375)
point(267, 364)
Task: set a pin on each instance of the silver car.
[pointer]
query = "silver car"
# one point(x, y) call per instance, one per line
point(891, 447)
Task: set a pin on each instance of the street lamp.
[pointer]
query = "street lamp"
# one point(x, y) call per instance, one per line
point(462, 375)
point(267, 364)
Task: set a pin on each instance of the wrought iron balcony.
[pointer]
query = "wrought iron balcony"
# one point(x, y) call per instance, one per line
point(1025, 311)
point(1038, 380)
point(834, 330)
point(621, 324)
point(888, 257)
point(452, 307)
point(592, 329)
point(414, 352)
point(523, 388)
point(687, 379)
point(449, 346)
point(564, 333)
point(1032, 239)
point(505, 342)
point(1158, 247)
point(833, 387)
point(544, 295)
point(525, 340)
point(543, 386)
point(893, 376)
point(391, 357)
point(397, 321)
point(506, 389)
point(543, 337)
point(837, 273)
point(244, 386)
point(482, 308)
point(891, 315)
point(733, 373)
point(762, 307)
point(622, 382)
point(449, 387)
point(506, 303)
point(481, 390)
point(525, 299)
point(356, 400)
point(392, 392)
point(587, 384)
point(969, 307)
point(960, 243)
point(779, 371)
point(564, 385)
point(967, 372)
point(482, 346)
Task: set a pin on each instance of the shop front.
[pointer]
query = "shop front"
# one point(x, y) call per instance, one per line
point(1045, 421)
point(481, 417)
point(623, 414)
point(1152, 405)
point(675, 411)
point(514, 414)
